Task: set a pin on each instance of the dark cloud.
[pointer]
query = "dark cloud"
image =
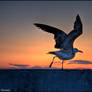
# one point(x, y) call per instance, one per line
point(80, 62)
point(45, 67)
point(25, 66)
point(19, 65)
point(36, 67)
point(39, 67)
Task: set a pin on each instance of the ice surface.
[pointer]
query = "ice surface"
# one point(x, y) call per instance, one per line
point(46, 80)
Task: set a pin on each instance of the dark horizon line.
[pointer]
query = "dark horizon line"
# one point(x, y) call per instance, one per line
point(45, 0)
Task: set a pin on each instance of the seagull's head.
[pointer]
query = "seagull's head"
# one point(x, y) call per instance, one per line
point(76, 50)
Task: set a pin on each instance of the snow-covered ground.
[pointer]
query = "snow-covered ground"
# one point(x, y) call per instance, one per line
point(45, 80)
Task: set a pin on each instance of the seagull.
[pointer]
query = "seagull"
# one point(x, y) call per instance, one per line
point(64, 41)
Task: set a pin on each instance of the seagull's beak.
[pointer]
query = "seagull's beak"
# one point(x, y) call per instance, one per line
point(80, 51)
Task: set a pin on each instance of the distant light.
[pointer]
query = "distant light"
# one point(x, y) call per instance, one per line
point(5, 90)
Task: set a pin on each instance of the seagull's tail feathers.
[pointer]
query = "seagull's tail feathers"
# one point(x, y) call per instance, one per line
point(51, 52)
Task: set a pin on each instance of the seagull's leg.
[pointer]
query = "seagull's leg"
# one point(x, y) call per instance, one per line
point(52, 62)
point(62, 64)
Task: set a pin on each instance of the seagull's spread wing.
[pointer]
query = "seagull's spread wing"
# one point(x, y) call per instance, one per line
point(59, 35)
point(68, 42)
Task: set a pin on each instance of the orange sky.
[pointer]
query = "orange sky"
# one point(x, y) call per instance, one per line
point(23, 43)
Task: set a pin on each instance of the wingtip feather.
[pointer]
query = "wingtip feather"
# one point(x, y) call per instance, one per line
point(36, 24)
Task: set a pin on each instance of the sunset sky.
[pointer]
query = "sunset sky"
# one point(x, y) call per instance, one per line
point(24, 44)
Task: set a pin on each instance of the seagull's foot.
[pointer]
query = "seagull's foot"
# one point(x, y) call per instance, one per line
point(50, 65)
point(62, 64)
point(62, 69)
point(52, 62)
